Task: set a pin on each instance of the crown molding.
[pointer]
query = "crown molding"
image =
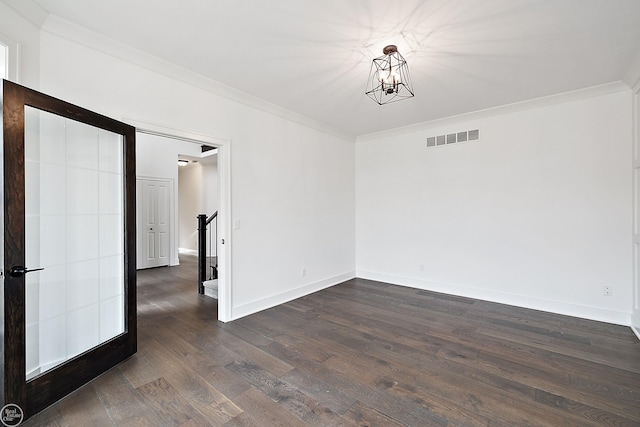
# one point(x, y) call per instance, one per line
point(62, 28)
point(544, 101)
point(29, 10)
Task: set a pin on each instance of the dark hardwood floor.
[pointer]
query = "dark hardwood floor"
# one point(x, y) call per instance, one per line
point(359, 354)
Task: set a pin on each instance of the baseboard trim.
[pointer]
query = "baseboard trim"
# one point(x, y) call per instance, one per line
point(557, 307)
point(262, 304)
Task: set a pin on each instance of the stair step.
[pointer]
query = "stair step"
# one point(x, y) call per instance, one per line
point(211, 288)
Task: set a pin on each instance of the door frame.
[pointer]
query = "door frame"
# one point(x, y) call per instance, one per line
point(34, 395)
point(635, 306)
point(225, 288)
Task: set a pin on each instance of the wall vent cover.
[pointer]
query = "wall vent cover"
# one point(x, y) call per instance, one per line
point(453, 138)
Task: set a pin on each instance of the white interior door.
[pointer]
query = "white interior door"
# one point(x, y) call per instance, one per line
point(154, 197)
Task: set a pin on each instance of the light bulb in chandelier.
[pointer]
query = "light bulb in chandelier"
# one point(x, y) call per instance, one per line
point(390, 80)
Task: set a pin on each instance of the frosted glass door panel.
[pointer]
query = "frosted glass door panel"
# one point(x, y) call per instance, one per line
point(74, 230)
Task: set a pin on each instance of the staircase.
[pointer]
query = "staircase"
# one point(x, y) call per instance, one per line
point(208, 265)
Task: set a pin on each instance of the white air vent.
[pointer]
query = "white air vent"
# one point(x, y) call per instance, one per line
point(453, 138)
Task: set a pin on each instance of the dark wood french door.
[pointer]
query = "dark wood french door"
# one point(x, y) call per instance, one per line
point(69, 246)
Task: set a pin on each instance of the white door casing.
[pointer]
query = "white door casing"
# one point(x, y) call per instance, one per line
point(635, 308)
point(225, 288)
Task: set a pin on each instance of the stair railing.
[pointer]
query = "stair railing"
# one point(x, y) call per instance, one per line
point(203, 226)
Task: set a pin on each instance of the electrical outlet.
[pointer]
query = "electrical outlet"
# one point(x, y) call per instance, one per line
point(607, 290)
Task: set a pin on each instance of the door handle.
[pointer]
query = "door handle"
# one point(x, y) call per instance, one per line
point(19, 270)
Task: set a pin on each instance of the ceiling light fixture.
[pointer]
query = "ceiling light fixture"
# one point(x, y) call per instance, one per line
point(389, 77)
point(183, 162)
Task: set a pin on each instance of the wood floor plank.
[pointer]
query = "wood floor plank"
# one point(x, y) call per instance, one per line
point(242, 420)
point(365, 416)
point(225, 381)
point(53, 416)
point(246, 334)
point(590, 328)
point(247, 351)
point(287, 396)
point(505, 366)
point(262, 411)
point(122, 402)
point(138, 370)
point(489, 402)
point(204, 397)
point(613, 359)
point(589, 413)
point(84, 409)
point(198, 337)
point(189, 354)
point(454, 413)
point(327, 395)
point(167, 403)
point(301, 346)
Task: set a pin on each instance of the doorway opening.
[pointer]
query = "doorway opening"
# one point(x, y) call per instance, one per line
point(158, 151)
point(198, 204)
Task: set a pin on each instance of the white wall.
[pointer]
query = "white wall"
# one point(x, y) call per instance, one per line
point(210, 197)
point(210, 180)
point(18, 33)
point(292, 185)
point(536, 213)
point(190, 204)
point(4, 53)
point(197, 194)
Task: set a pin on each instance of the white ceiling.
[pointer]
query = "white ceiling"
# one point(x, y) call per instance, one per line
point(313, 57)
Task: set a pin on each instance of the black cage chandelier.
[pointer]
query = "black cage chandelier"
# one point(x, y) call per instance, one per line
point(389, 78)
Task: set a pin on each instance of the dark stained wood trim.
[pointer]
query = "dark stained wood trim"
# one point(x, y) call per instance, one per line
point(130, 237)
point(35, 395)
point(14, 225)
